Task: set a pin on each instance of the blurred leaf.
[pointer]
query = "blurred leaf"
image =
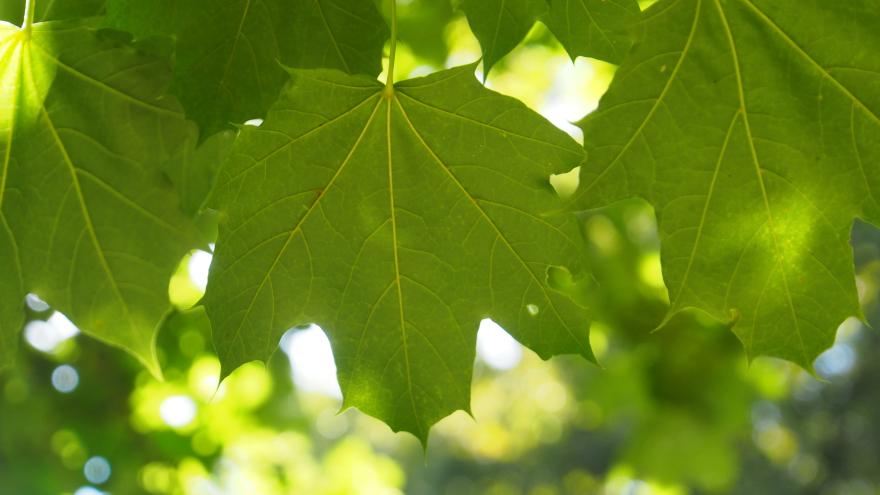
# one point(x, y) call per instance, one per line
point(230, 53)
point(422, 25)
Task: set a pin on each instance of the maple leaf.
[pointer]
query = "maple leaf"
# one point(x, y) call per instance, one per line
point(500, 25)
point(89, 222)
point(396, 220)
point(751, 126)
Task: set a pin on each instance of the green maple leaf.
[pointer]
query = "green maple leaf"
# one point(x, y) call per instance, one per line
point(588, 28)
point(396, 221)
point(229, 52)
point(500, 25)
point(89, 222)
point(751, 126)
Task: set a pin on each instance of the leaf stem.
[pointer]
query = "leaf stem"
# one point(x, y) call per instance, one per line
point(389, 78)
point(29, 8)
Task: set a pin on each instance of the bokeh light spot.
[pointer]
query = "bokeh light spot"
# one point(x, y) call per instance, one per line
point(47, 335)
point(97, 470)
point(65, 379)
point(178, 411)
point(36, 304)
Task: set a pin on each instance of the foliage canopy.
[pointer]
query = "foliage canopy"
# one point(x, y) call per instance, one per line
point(398, 214)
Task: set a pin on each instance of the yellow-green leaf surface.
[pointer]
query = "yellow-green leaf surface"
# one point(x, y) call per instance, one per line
point(89, 222)
point(396, 221)
point(752, 126)
point(229, 53)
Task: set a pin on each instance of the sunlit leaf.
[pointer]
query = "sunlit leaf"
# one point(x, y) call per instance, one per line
point(97, 226)
point(396, 222)
point(751, 125)
point(50, 10)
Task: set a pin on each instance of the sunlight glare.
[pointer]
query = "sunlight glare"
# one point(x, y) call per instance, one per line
point(199, 264)
point(178, 411)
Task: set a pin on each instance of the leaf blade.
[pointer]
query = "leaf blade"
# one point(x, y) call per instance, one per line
point(398, 282)
point(743, 163)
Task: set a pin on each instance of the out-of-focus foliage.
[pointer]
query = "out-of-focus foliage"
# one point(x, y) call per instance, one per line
point(675, 411)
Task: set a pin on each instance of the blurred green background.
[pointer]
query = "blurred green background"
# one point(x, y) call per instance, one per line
point(674, 411)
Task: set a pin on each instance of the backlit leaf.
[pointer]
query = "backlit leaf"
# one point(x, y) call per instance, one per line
point(752, 127)
point(95, 224)
point(396, 222)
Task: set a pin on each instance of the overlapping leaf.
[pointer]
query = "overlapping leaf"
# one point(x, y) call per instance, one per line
point(752, 126)
point(593, 28)
point(588, 28)
point(500, 25)
point(89, 222)
point(194, 169)
point(229, 52)
point(396, 221)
